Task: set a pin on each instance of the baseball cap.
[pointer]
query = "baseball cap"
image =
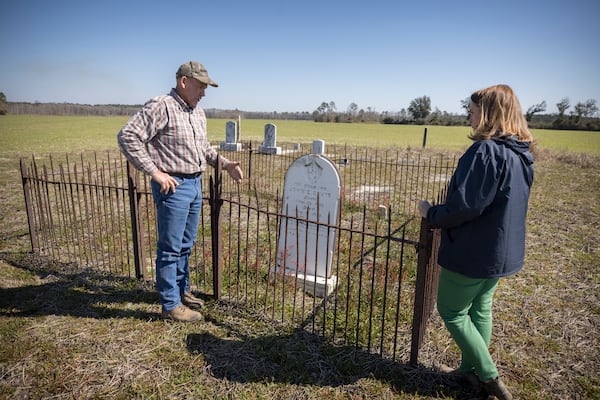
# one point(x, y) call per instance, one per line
point(195, 70)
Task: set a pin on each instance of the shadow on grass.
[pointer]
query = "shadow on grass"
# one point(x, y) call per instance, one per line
point(65, 289)
point(302, 358)
point(297, 357)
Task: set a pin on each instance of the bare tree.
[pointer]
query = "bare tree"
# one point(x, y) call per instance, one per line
point(465, 104)
point(322, 109)
point(352, 109)
point(586, 109)
point(534, 109)
point(562, 106)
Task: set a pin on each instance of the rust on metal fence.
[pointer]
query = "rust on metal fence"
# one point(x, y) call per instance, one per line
point(96, 210)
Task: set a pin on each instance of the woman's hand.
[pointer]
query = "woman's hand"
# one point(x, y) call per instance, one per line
point(424, 207)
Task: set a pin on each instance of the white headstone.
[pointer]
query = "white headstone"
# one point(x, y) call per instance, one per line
point(231, 133)
point(318, 147)
point(382, 212)
point(270, 135)
point(269, 146)
point(312, 190)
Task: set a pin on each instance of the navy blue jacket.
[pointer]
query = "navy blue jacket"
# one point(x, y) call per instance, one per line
point(483, 219)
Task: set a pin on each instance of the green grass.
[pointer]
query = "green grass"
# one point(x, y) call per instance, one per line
point(379, 135)
point(71, 333)
point(48, 134)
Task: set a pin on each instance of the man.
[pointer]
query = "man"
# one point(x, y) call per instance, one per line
point(167, 140)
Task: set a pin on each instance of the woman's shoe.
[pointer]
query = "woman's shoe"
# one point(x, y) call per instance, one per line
point(496, 387)
point(468, 378)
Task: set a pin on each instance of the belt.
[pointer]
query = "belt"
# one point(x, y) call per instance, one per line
point(186, 176)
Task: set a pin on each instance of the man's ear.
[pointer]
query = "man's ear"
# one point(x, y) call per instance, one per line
point(183, 81)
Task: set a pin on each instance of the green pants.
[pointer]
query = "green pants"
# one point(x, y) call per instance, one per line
point(465, 305)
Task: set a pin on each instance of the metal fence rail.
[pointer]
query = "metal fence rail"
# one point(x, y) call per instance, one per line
point(96, 210)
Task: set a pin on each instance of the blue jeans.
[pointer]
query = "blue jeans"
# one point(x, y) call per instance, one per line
point(177, 216)
point(465, 305)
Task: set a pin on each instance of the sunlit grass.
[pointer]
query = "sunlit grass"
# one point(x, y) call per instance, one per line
point(48, 134)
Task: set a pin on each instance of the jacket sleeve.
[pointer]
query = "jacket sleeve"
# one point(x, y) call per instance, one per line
point(472, 188)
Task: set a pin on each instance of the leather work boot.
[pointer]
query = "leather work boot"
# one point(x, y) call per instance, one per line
point(182, 314)
point(192, 301)
point(496, 387)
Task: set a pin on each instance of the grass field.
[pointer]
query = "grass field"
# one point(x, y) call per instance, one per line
point(26, 133)
point(68, 333)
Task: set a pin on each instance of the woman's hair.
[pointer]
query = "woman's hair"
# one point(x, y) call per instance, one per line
point(501, 114)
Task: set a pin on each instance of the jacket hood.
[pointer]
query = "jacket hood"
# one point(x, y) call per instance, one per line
point(520, 148)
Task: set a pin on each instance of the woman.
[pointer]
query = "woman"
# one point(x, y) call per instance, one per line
point(482, 224)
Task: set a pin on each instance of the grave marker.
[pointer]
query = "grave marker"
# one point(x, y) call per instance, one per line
point(305, 249)
point(231, 135)
point(318, 147)
point(269, 146)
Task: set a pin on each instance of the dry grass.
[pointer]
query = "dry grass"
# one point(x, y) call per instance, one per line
point(67, 333)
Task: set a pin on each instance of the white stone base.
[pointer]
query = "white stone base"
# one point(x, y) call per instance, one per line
point(231, 146)
point(269, 150)
point(316, 286)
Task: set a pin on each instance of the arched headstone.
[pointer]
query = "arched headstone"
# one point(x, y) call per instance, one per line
point(231, 136)
point(305, 249)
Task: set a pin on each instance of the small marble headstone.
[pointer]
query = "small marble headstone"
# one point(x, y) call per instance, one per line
point(270, 135)
point(269, 146)
point(318, 147)
point(231, 133)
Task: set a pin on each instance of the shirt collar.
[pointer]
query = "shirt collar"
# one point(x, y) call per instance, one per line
point(179, 100)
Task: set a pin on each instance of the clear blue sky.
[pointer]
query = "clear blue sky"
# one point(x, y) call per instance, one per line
point(293, 55)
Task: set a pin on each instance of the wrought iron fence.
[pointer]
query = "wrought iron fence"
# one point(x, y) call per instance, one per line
point(96, 210)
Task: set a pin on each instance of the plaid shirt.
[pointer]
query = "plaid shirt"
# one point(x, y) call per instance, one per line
point(168, 135)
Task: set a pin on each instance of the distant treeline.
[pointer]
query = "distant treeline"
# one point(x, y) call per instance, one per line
point(71, 109)
point(435, 118)
point(539, 121)
point(128, 110)
point(569, 122)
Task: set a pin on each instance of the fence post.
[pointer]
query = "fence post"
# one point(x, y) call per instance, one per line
point(29, 207)
point(250, 151)
point(134, 209)
point(425, 290)
point(216, 202)
point(425, 138)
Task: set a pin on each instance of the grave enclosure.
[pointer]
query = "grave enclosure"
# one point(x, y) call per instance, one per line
point(97, 211)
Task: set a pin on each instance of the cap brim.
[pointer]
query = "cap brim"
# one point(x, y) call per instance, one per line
point(208, 81)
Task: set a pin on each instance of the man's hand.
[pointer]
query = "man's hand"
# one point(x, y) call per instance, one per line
point(166, 181)
point(235, 171)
